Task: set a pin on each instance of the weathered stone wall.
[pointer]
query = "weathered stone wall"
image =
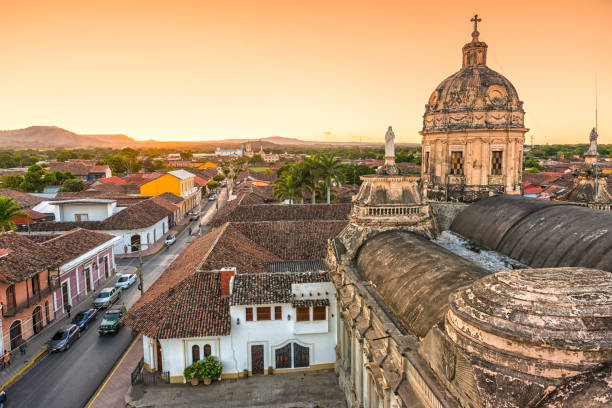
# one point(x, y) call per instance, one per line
point(445, 213)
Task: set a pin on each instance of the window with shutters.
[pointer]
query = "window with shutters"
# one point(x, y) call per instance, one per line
point(278, 313)
point(302, 314)
point(207, 350)
point(263, 313)
point(496, 163)
point(456, 164)
point(319, 313)
point(301, 356)
point(249, 314)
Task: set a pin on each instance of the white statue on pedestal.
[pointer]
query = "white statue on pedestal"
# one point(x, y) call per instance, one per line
point(390, 143)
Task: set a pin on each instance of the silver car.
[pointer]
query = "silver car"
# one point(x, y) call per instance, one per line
point(107, 297)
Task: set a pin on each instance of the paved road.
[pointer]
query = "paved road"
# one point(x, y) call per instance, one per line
point(69, 379)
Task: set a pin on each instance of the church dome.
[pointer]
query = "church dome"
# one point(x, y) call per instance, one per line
point(550, 322)
point(475, 97)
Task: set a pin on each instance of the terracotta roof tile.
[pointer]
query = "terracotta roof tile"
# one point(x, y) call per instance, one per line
point(234, 212)
point(76, 168)
point(24, 200)
point(267, 288)
point(75, 243)
point(26, 258)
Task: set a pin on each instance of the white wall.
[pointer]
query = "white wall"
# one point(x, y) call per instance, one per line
point(94, 211)
point(126, 236)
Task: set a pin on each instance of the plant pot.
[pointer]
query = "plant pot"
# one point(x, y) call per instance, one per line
point(207, 381)
point(194, 381)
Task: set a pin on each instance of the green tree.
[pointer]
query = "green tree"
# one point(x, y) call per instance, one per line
point(34, 179)
point(218, 177)
point(64, 155)
point(256, 159)
point(116, 163)
point(13, 181)
point(9, 209)
point(313, 178)
point(226, 171)
point(212, 185)
point(287, 188)
point(353, 172)
point(73, 185)
point(186, 155)
point(50, 179)
point(330, 172)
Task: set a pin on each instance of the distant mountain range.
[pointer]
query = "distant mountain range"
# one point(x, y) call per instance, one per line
point(53, 137)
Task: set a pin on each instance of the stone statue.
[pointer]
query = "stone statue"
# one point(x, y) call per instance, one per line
point(593, 147)
point(390, 143)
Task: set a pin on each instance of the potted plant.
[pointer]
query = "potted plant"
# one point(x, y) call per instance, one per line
point(210, 368)
point(190, 374)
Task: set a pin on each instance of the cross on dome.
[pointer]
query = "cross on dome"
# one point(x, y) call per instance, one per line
point(475, 20)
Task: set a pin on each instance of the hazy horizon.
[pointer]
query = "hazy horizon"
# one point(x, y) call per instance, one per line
point(341, 71)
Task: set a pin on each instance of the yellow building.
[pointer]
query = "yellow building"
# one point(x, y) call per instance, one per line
point(178, 182)
point(205, 165)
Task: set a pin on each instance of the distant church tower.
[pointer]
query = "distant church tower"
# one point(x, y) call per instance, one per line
point(473, 132)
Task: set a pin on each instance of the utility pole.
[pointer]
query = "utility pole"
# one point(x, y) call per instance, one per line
point(140, 270)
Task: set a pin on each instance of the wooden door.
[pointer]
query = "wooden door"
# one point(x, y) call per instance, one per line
point(106, 267)
point(65, 294)
point(159, 356)
point(87, 280)
point(257, 359)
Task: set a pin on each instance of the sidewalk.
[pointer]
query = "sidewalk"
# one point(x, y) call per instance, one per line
point(37, 345)
point(157, 245)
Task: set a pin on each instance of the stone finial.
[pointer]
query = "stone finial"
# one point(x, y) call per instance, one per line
point(475, 33)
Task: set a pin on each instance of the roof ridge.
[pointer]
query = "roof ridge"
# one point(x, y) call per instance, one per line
point(212, 246)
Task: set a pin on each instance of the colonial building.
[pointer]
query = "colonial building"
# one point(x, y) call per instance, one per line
point(177, 182)
point(86, 261)
point(473, 132)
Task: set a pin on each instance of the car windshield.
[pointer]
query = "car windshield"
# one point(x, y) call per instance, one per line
point(112, 315)
point(104, 294)
point(61, 335)
point(79, 316)
point(123, 279)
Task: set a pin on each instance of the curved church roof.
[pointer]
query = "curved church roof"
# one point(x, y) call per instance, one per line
point(539, 233)
point(414, 277)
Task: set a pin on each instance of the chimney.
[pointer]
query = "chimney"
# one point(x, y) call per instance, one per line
point(226, 275)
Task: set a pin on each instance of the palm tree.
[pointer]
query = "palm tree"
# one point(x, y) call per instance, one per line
point(330, 171)
point(9, 209)
point(287, 187)
point(313, 167)
point(301, 174)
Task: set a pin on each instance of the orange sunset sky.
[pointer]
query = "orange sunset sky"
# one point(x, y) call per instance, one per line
point(318, 70)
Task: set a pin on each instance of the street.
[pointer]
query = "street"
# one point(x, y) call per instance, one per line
point(69, 379)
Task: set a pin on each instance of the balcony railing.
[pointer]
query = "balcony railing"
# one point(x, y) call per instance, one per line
point(12, 310)
point(393, 211)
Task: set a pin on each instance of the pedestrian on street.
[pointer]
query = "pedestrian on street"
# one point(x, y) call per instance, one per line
point(67, 308)
point(22, 348)
point(6, 359)
point(189, 230)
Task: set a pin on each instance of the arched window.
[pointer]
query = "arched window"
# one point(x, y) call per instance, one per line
point(195, 353)
point(15, 334)
point(207, 350)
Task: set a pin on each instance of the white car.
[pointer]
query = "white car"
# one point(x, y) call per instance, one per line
point(212, 197)
point(170, 239)
point(125, 281)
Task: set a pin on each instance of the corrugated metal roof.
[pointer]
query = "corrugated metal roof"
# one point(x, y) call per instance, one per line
point(181, 174)
point(296, 266)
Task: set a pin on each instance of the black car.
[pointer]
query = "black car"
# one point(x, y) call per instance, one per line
point(111, 320)
point(64, 338)
point(84, 317)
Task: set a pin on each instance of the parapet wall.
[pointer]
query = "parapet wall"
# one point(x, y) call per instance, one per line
point(445, 212)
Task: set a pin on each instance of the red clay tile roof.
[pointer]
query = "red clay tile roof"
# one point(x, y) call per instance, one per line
point(192, 308)
point(166, 204)
point(541, 179)
point(531, 189)
point(267, 288)
point(233, 212)
point(76, 168)
point(140, 215)
point(25, 259)
point(24, 200)
point(113, 179)
point(75, 243)
point(96, 169)
point(171, 198)
point(292, 240)
point(200, 181)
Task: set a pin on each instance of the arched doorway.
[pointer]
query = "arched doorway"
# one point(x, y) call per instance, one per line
point(135, 242)
point(15, 334)
point(37, 319)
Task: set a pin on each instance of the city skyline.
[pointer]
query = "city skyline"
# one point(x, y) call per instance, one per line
point(342, 71)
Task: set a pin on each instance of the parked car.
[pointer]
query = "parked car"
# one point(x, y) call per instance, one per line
point(110, 321)
point(126, 280)
point(170, 239)
point(195, 216)
point(213, 197)
point(84, 317)
point(64, 337)
point(107, 297)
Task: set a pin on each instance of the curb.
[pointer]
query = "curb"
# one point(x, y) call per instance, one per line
point(112, 372)
point(18, 374)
